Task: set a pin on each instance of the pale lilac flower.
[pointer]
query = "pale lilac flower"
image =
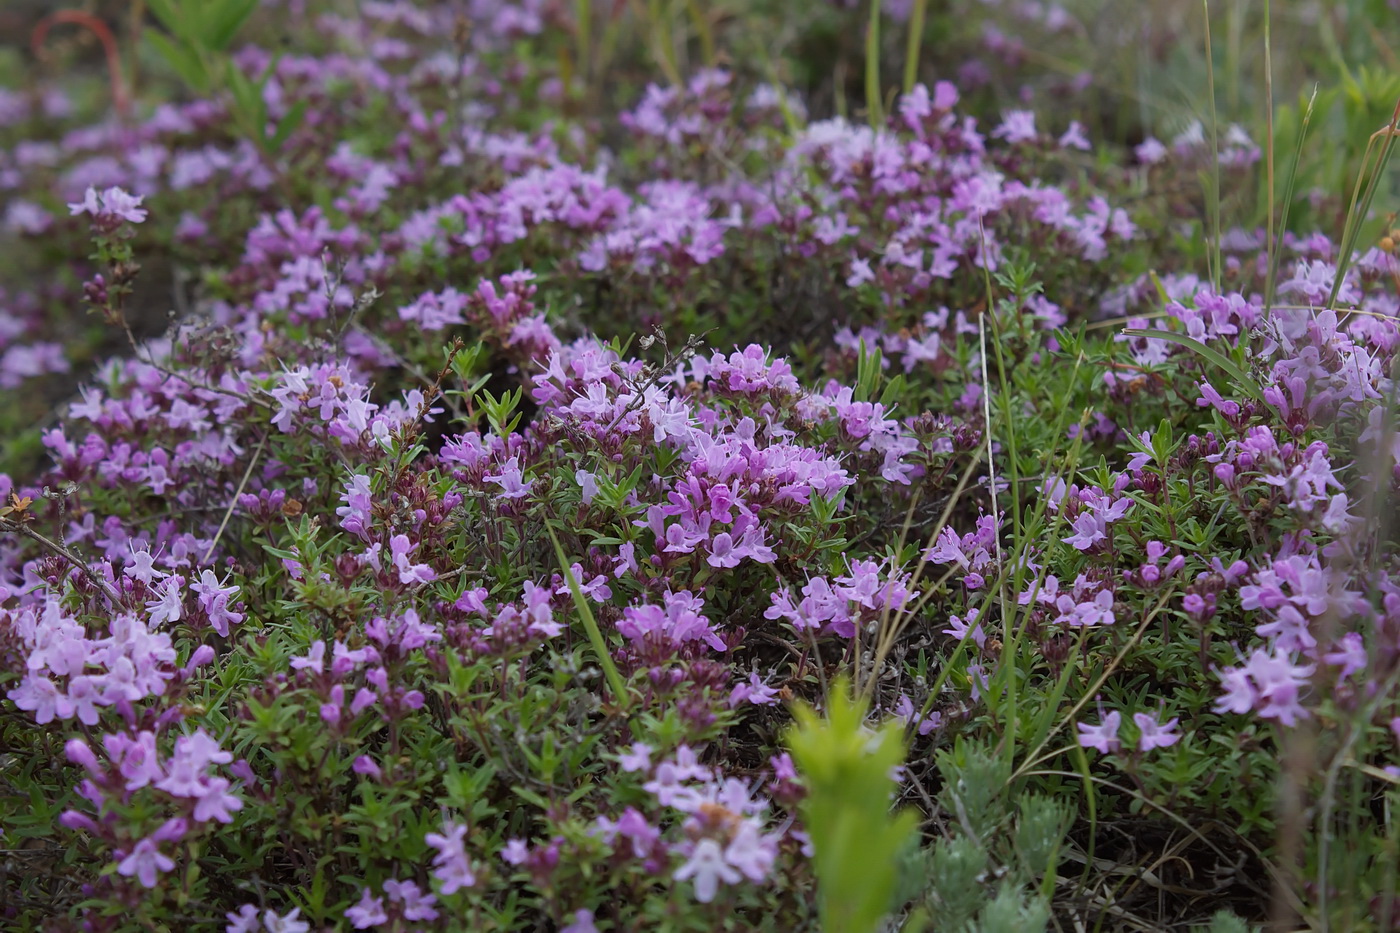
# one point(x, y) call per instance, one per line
point(583, 923)
point(1155, 734)
point(416, 904)
point(315, 659)
point(515, 852)
point(1104, 736)
point(143, 862)
point(285, 924)
point(751, 852)
point(512, 482)
point(368, 913)
point(245, 921)
point(588, 483)
point(451, 866)
point(708, 867)
point(637, 758)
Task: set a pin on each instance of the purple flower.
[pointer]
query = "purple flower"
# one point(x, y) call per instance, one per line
point(511, 480)
point(583, 923)
point(1017, 126)
point(754, 691)
point(114, 202)
point(314, 660)
point(409, 572)
point(285, 924)
point(216, 803)
point(451, 866)
point(417, 905)
point(515, 852)
point(214, 599)
point(1089, 530)
point(750, 851)
point(245, 921)
point(708, 867)
point(1269, 684)
point(1155, 734)
point(722, 552)
point(143, 862)
point(1211, 398)
point(1104, 736)
point(637, 758)
point(369, 912)
point(588, 483)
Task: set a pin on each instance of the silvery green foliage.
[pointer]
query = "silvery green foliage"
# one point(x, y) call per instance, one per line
point(1040, 830)
point(958, 865)
point(974, 781)
point(1009, 912)
point(1225, 922)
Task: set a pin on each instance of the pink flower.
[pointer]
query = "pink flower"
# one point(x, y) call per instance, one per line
point(315, 659)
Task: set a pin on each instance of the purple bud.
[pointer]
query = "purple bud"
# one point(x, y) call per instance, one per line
point(172, 830)
point(75, 820)
point(202, 656)
point(78, 752)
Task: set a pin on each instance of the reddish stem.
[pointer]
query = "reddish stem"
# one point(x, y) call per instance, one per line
point(98, 28)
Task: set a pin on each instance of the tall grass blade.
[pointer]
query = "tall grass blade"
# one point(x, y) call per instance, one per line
point(1213, 189)
point(1359, 209)
point(874, 102)
point(1241, 378)
point(590, 624)
point(915, 44)
point(1271, 280)
point(703, 30)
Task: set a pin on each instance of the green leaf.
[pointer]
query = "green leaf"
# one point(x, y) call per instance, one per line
point(186, 64)
point(222, 22)
point(288, 125)
point(246, 99)
point(170, 16)
point(847, 810)
point(1241, 378)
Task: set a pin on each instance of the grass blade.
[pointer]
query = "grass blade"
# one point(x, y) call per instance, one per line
point(874, 103)
point(1242, 380)
point(595, 635)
